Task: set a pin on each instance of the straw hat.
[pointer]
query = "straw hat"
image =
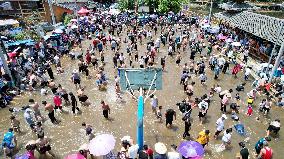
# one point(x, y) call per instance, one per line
point(160, 148)
point(84, 147)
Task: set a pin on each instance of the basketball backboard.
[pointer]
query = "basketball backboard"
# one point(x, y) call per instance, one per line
point(135, 78)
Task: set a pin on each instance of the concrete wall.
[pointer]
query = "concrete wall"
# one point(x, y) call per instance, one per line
point(58, 12)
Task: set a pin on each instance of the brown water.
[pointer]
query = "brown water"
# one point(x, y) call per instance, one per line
point(69, 135)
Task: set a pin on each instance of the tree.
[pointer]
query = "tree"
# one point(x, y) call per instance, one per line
point(126, 4)
point(171, 5)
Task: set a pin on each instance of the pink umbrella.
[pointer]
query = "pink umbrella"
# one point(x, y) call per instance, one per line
point(222, 37)
point(83, 11)
point(75, 156)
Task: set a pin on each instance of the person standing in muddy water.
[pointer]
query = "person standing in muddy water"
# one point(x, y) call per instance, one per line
point(49, 107)
point(106, 109)
point(43, 146)
point(35, 107)
point(74, 103)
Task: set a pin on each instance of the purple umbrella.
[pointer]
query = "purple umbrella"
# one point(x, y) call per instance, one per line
point(191, 149)
point(24, 156)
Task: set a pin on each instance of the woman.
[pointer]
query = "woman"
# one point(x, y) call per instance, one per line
point(226, 139)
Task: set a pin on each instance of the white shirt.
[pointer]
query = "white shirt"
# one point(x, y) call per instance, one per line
point(227, 137)
point(247, 71)
point(132, 151)
point(154, 102)
point(141, 61)
point(218, 89)
point(174, 155)
point(220, 124)
point(221, 61)
point(56, 59)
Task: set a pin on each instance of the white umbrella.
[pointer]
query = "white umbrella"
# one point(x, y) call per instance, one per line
point(236, 44)
point(74, 27)
point(73, 20)
point(58, 31)
point(101, 145)
point(160, 148)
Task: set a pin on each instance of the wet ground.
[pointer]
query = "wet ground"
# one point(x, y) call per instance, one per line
point(69, 135)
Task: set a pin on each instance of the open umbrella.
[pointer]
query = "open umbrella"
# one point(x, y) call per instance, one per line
point(83, 11)
point(73, 20)
point(75, 156)
point(24, 156)
point(236, 44)
point(101, 144)
point(222, 37)
point(74, 27)
point(229, 40)
point(58, 31)
point(191, 149)
point(160, 148)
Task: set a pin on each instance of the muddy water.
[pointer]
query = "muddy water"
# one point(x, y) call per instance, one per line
point(69, 135)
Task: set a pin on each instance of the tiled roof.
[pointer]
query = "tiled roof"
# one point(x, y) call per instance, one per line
point(263, 26)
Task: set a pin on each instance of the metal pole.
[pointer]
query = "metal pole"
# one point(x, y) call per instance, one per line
point(51, 12)
point(274, 48)
point(210, 14)
point(4, 60)
point(76, 9)
point(140, 116)
point(280, 54)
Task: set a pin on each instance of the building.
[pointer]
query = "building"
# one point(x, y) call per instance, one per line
point(20, 8)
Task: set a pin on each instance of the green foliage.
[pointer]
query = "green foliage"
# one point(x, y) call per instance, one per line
point(126, 4)
point(162, 6)
point(20, 36)
point(67, 19)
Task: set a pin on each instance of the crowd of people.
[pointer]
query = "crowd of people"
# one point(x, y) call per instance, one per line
point(32, 70)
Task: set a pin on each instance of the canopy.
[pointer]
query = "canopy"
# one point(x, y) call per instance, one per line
point(28, 41)
point(83, 11)
point(8, 22)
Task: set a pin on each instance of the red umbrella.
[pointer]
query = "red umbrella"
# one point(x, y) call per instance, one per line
point(83, 11)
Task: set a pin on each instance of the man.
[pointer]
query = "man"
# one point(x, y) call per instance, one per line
point(154, 103)
point(274, 126)
point(174, 154)
point(35, 107)
point(244, 151)
point(48, 107)
point(266, 152)
point(106, 109)
point(220, 125)
point(203, 137)
point(259, 145)
point(29, 118)
point(133, 150)
point(170, 114)
point(44, 146)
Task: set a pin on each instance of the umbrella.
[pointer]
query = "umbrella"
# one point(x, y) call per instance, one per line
point(236, 44)
point(101, 144)
point(83, 11)
point(191, 149)
point(229, 40)
point(126, 138)
point(74, 27)
point(205, 26)
point(75, 156)
point(73, 20)
point(160, 148)
point(223, 37)
point(23, 156)
point(58, 31)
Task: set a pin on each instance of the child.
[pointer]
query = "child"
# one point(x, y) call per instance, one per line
point(238, 98)
point(15, 124)
point(249, 113)
point(39, 129)
point(159, 114)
